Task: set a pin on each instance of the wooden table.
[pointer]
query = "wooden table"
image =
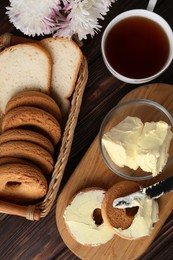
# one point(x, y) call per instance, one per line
point(23, 239)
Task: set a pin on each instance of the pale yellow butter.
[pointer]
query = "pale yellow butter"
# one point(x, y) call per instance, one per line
point(134, 144)
point(120, 142)
point(79, 218)
point(143, 223)
point(153, 146)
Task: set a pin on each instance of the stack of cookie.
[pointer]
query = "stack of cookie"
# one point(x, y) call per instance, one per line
point(31, 128)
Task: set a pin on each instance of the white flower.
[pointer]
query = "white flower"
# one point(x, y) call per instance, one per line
point(63, 18)
point(33, 17)
point(82, 18)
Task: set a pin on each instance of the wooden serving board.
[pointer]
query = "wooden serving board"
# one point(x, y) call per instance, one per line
point(92, 171)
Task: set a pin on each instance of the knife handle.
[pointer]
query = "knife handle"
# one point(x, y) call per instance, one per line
point(160, 188)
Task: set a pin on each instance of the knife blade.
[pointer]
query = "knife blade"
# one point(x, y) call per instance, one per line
point(153, 192)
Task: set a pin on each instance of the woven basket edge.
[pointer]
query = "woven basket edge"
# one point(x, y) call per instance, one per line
point(67, 139)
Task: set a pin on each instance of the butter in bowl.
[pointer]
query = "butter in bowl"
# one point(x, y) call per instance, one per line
point(135, 139)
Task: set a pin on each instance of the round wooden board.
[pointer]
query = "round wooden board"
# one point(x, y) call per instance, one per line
point(92, 171)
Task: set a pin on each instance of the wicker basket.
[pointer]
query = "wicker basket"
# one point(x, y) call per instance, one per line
point(37, 211)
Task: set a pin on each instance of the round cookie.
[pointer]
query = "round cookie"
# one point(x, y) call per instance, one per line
point(29, 151)
point(114, 217)
point(27, 135)
point(20, 183)
point(32, 117)
point(84, 220)
point(130, 223)
point(34, 99)
point(9, 160)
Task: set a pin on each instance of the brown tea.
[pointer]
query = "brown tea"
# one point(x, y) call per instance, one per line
point(137, 47)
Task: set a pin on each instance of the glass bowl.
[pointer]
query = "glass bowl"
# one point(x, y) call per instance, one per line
point(147, 111)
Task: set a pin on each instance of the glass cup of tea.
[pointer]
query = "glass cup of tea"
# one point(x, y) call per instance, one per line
point(137, 46)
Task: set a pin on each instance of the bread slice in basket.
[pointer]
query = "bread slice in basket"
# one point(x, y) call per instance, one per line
point(67, 58)
point(24, 66)
point(73, 102)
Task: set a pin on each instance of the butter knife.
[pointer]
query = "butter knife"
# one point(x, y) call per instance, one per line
point(153, 192)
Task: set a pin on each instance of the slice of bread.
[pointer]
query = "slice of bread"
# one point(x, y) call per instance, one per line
point(37, 99)
point(24, 66)
point(28, 151)
point(27, 135)
point(83, 218)
point(67, 58)
point(33, 118)
point(21, 183)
